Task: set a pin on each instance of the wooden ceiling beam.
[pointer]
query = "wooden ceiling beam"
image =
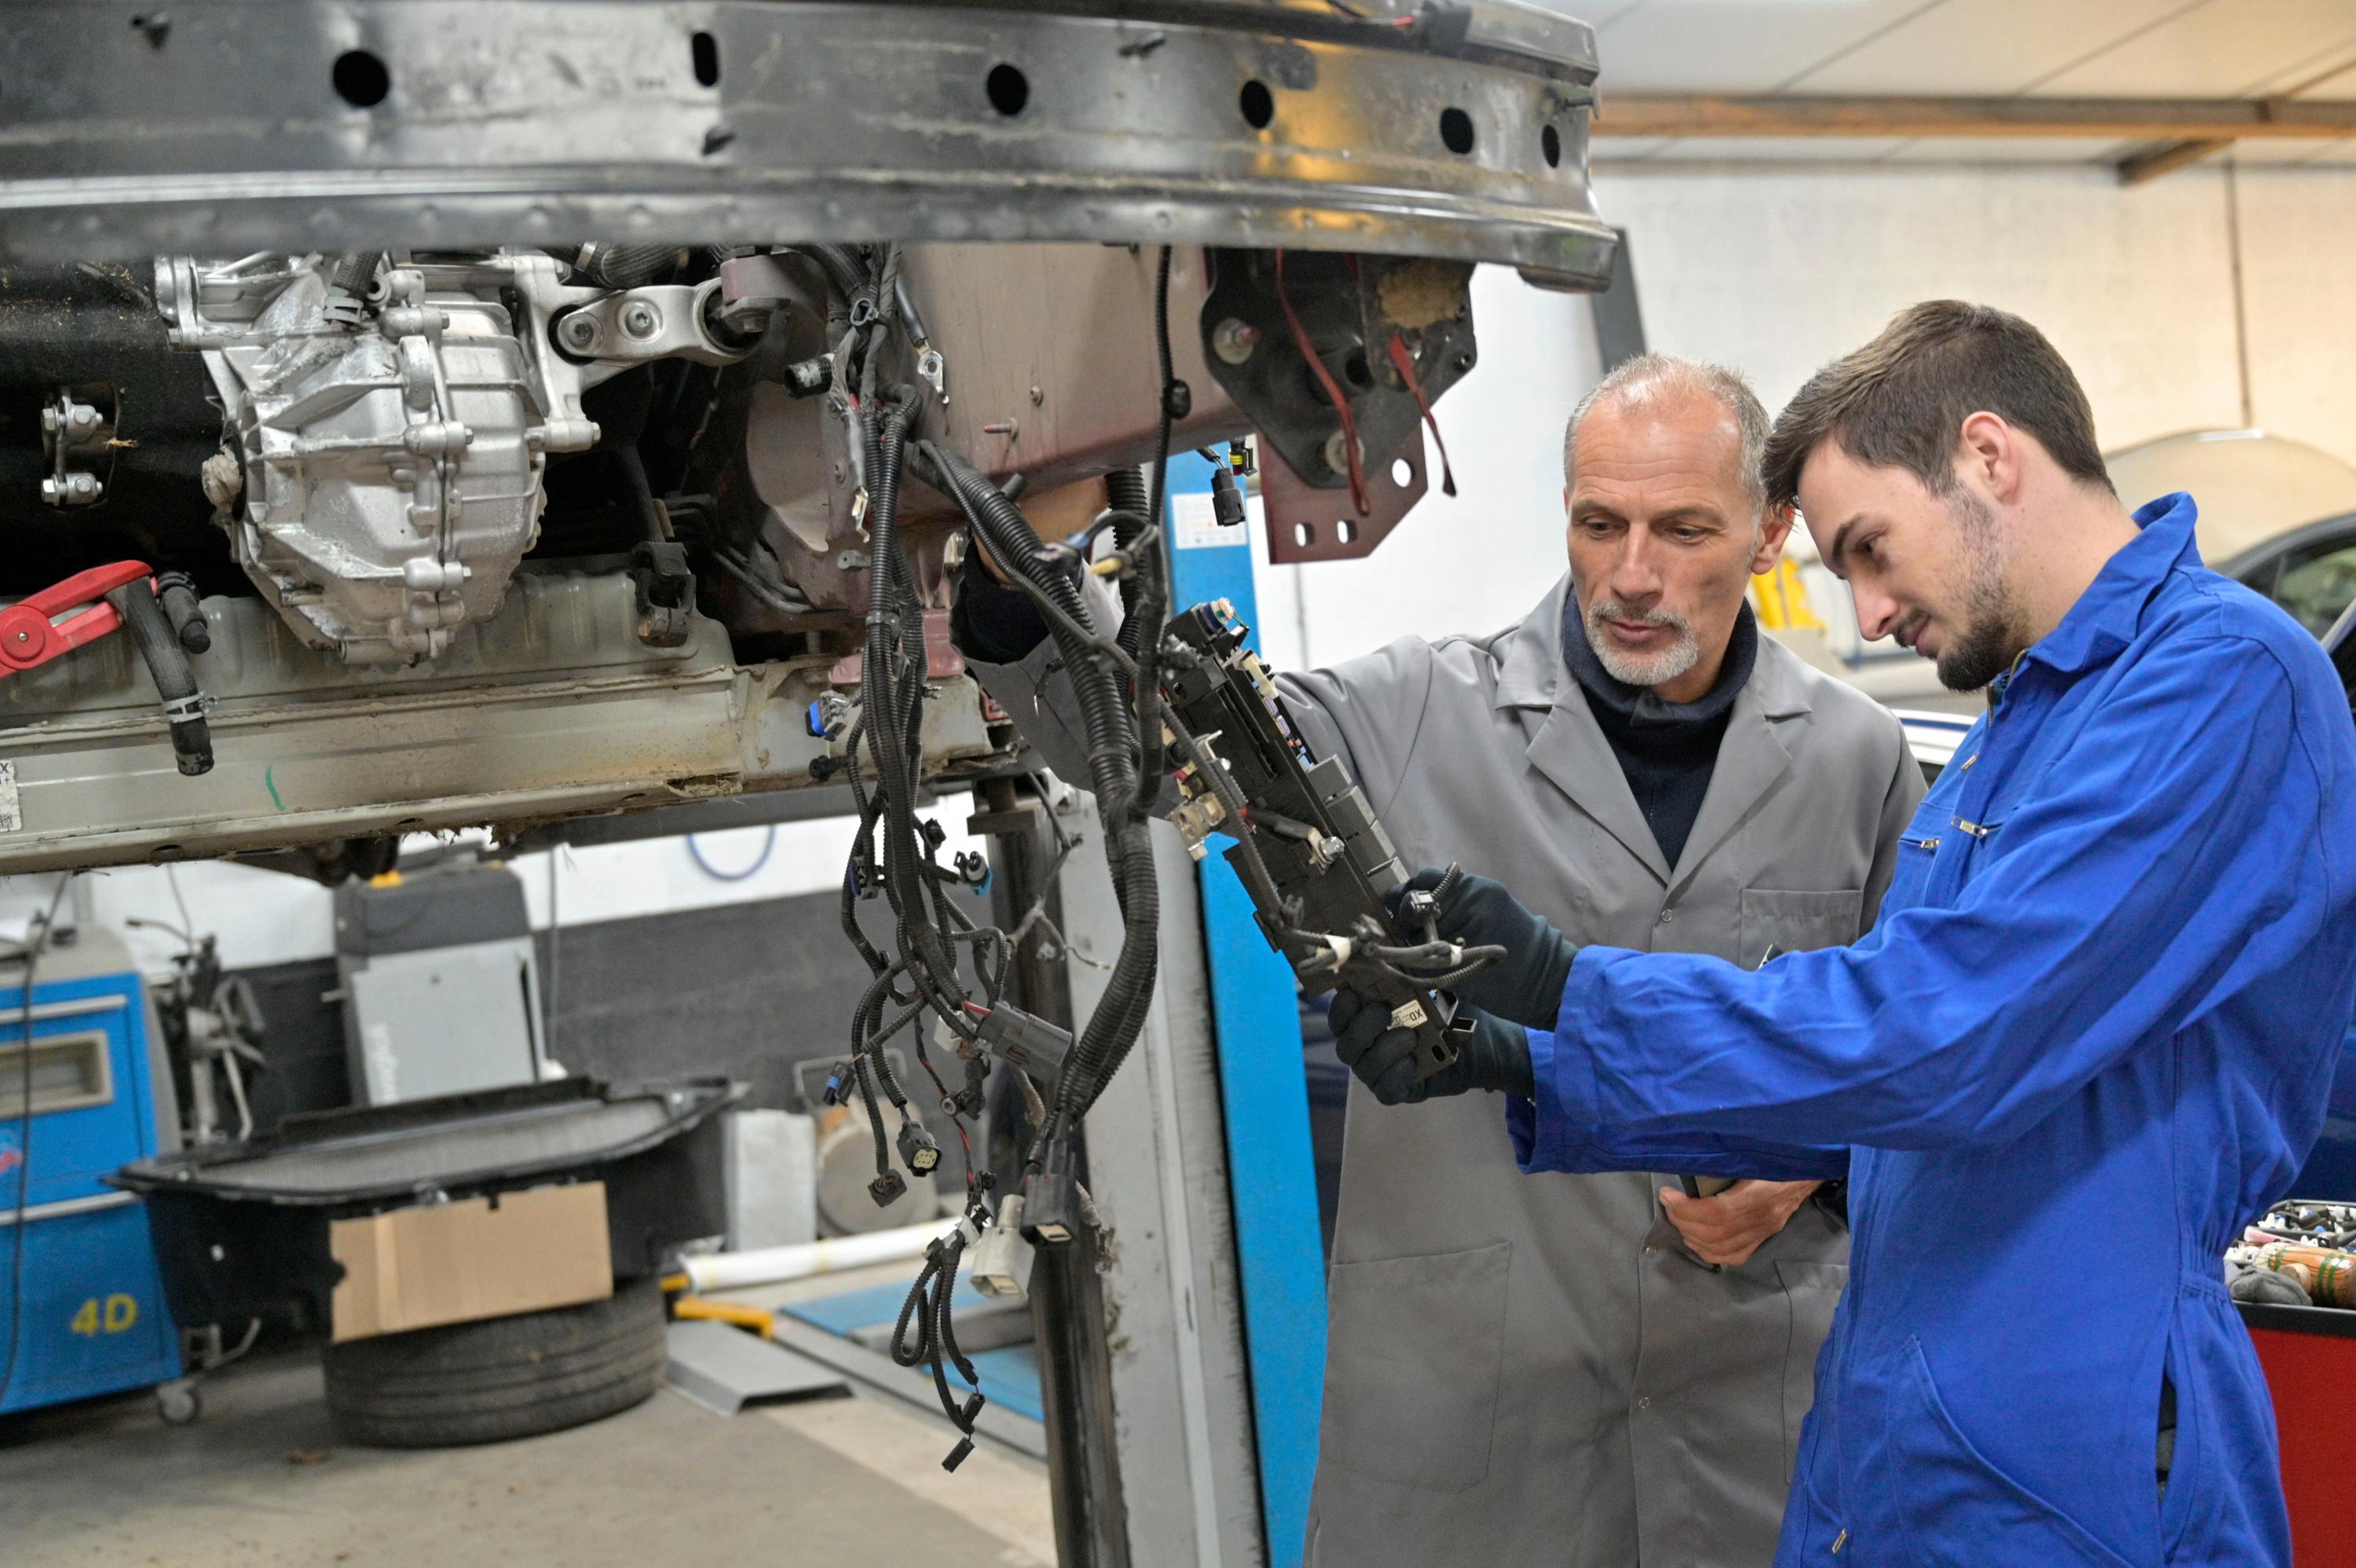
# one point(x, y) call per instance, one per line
point(2164, 159)
point(2168, 120)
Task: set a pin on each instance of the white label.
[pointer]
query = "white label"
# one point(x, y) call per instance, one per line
point(11, 815)
point(383, 1066)
point(1194, 525)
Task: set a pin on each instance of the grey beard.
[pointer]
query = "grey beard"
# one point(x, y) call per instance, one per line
point(1658, 671)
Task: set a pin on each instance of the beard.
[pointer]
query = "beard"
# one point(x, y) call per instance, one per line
point(1987, 634)
point(1649, 669)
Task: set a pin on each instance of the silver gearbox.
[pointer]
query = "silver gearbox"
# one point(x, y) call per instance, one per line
point(391, 421)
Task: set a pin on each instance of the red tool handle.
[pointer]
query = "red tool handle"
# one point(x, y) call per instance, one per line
point(30, 636)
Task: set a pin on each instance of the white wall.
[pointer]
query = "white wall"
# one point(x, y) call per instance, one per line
point(1777, 269)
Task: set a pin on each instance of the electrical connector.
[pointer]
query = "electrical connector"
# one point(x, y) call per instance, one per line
point(886, 1189)
point(919, 1152)
point(1051, 1201)
point(1029, 1042)
point(1001, 1259)
point(1227, 498)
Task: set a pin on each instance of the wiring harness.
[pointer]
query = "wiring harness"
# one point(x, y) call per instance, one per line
point(938, 962)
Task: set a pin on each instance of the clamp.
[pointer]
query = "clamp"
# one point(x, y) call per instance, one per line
point(30, 636)
point(165, 619)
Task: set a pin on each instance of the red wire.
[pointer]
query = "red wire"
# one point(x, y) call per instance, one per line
point(1333, 392)
point(1405, 362)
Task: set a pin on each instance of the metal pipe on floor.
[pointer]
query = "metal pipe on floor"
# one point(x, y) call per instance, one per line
point(773, 1265)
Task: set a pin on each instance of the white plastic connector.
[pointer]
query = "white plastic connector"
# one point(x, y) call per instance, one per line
point(1001, 1259)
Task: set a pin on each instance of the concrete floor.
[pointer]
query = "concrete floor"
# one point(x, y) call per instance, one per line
point(259, 1482)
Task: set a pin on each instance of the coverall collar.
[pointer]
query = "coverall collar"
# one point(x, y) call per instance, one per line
point(1569, 747)
point(2104, 620)
point(1531, 674)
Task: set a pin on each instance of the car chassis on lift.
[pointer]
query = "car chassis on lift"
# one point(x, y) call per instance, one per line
point(498, 413)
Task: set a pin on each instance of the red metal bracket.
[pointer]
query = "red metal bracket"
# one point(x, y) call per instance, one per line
point(31, 634)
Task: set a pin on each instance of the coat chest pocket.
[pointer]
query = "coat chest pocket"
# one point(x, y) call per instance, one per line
point(1796, 922)
point(1416, 1349)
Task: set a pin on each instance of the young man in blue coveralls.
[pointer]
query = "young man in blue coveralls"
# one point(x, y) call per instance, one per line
point(2092, 1035)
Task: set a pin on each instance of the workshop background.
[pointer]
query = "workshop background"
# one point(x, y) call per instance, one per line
point(2215, 295)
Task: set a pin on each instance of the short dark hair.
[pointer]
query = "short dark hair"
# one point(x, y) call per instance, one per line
point(1900, 401)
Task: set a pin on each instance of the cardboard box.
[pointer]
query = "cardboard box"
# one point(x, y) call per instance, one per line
point(455, 1263)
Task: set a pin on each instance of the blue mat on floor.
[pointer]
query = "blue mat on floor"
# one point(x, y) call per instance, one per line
point(1010, 1377)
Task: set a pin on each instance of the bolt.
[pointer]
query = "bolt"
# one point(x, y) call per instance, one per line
point(1038, 395)
point(1000, 427)
point(640, 319)
point(579, 332)
point(1337, 453)
point(1233, 340)
point(1464, 362)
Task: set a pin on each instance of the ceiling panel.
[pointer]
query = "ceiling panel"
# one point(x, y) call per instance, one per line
point(1737, 46)
point(2328, 72)
point(2283, 152)
point(2216, 50)
point(2010, 150)
point(1778, 149)
point(1988, 45)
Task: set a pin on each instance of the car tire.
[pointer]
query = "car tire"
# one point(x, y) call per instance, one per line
point(501, 1378)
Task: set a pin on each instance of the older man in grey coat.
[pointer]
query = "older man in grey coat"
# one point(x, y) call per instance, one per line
point(1584, 1371)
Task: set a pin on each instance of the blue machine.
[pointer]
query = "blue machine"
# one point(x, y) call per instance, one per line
point(87, 1314)
point(1263, 1087)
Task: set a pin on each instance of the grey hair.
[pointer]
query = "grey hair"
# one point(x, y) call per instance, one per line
point(1647, 376)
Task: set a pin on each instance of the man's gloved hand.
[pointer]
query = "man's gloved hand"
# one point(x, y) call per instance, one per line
point(1525, 985)
point(1496, 1056)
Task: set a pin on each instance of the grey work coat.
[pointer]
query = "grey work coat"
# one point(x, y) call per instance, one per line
point(1529, 1371)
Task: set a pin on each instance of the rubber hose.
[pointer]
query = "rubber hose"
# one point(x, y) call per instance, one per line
point(355, 270)
point(176, 591)
point(842, 269)
point(176, 683)
point(624, 266)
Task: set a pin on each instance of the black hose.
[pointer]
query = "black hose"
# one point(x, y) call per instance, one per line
point(844, 272)
point(624, 266)
point(355, 270)
point(176, 591)
point(640, 493)
point(175, 682)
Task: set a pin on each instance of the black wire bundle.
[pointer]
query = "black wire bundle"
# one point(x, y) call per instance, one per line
point(936, 1347)
point(938, 960)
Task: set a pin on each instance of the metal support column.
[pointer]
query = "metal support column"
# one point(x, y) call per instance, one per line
point(1068, 1309)
point(1265, 1093)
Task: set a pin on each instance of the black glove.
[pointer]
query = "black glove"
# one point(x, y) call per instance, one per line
point(1525, 985)
point(1496, 1055)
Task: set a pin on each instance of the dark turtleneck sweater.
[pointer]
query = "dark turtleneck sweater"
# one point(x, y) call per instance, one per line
point(1667, 750)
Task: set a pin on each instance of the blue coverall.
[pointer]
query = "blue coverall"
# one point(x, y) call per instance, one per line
point(2091, 1038)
